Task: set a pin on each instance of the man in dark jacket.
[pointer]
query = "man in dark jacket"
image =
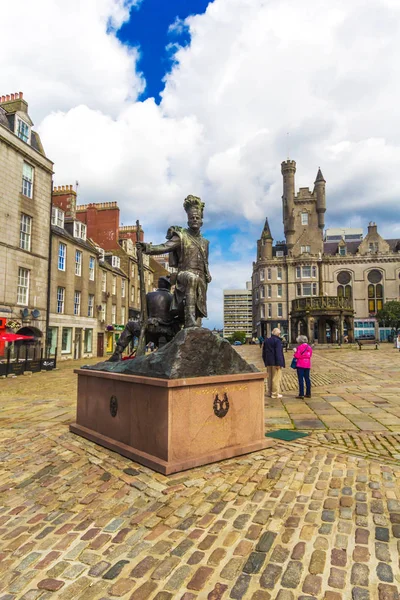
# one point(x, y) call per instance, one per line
point(274, 360)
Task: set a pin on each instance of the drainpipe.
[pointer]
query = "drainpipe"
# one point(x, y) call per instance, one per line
point(287, 300)
point(49, 272)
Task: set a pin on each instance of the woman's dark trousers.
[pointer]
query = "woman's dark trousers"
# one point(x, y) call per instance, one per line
point(304, 375)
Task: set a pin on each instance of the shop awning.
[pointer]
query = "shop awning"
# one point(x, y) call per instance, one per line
point(14, 337)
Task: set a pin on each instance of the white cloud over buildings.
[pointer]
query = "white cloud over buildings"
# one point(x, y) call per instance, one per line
point(255, 71)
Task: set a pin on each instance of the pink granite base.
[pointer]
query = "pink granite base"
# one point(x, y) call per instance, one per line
point(170, 425)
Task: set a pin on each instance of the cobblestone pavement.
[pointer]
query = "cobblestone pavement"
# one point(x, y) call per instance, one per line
point(318, 518)
point(353, 390)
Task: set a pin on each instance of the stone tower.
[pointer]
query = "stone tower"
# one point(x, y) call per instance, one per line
point(319, 192)
point(264, 249)
point(288, 170)
point(303, 213)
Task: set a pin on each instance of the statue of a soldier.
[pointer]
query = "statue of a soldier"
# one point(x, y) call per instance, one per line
point(189, 253)
point(162, 324)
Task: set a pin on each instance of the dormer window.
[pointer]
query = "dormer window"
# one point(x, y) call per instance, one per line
point(102, 256)
point(115, 261)
point(304, 218)
point(80, 230)
point(342, 250)
point(305, 250)
point(23, 130)
point(373, 247)
point(57, 217)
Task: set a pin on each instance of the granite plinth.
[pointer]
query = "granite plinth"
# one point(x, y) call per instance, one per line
point(171, 425)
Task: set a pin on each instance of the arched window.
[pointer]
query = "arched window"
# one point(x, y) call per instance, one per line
point(375, 291)
point(344, 290)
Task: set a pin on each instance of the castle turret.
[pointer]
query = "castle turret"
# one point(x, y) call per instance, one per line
point(319, 192)
point(288, 170)
point(266, 242)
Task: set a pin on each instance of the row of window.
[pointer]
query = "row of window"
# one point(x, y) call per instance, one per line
point(304, 272)
point(62, 261)
point(302, 289)
point(60, 309)
point(66, 340)
point(114, 285)
point(266, 310)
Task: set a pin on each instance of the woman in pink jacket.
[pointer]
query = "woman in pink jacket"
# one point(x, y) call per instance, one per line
point(303, 355)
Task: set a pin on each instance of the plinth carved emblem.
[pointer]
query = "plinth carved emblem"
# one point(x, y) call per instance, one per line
point(113, 406)
point(221, 407)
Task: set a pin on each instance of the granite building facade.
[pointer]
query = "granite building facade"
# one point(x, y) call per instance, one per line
point(25, 200)
point(321, 288)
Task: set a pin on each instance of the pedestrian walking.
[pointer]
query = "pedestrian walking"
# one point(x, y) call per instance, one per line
point(398, 342)
point(260, 340)
point(302, 356)
point(274, 360)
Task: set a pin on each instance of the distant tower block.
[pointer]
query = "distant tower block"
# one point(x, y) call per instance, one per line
point(288, 168)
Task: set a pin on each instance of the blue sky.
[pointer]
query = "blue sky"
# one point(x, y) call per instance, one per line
point(149, 28)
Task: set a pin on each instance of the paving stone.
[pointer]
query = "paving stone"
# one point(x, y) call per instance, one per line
point(337, 578)
point(199, 578)
point(279, 554)
point(254, 562)
point(317, 562)
point(261, 595)
point(144, 591)
point(382, 552)
point(115, 569)
point(145, 565)
point(388, 592)
point(360, 594)
point(266, 541)
point(338, 557)
point(362, 536)
point(384, 572)
point(298, 551)
point(361, 554)
point(382, 534)
point(240, 588)
point(292, 575)
point(122, 587)
point(52, 585)
point(270, 576)
point(312, 584)
point(178, 577)
point(359, 574)
point(285, 595)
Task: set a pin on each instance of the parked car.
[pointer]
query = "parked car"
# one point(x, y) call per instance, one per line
point(237, 343)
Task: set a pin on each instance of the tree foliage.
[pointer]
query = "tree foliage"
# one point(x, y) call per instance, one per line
point(389, 315)
point(238, 336)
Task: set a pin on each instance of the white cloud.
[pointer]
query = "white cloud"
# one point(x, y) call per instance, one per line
point(254, 71)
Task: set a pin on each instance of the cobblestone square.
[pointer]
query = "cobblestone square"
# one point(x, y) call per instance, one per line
point(317, 518)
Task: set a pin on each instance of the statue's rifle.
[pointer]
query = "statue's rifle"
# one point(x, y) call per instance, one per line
point(141, 349)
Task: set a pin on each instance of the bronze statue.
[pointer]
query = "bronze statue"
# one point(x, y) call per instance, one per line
point(189, 253)
point(162, 325)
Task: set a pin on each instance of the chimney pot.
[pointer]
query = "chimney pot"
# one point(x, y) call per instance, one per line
point(12, 97)
point(7, 97)
point(21, 95)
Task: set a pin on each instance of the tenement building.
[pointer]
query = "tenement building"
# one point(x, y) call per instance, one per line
point(328, 288)
point(25, 200)
point(89, 289)
point(238, 311)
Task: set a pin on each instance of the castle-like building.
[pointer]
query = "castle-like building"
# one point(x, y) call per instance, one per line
point(328, 287)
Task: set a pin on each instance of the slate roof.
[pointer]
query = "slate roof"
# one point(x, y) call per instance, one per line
point(331, 248)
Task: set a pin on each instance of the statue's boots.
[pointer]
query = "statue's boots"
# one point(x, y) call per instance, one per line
point(190, 316)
